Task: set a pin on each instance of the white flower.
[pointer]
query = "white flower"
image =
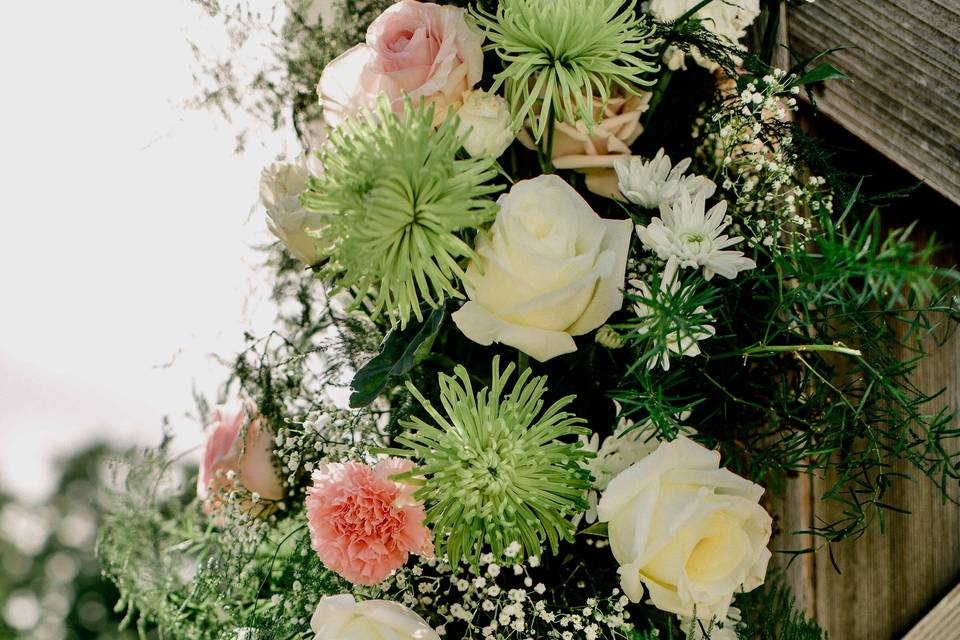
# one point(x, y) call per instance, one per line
point(618, 451)
point(716, 630)
point(627, 445)
point(281, 185)
point(678, 336)
point(653, 183)
point(485, 124)
point(692, 237)
point(727, 19)
point(690, 532)
point(341, 616)
point(549, 269)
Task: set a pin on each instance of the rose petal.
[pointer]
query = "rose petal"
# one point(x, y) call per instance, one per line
point(484, 328)
point(608, 298)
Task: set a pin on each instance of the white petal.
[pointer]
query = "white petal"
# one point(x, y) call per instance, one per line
point(608, 298)
point(484, 328)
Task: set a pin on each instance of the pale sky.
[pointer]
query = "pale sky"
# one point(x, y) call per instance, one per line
point(126, 229)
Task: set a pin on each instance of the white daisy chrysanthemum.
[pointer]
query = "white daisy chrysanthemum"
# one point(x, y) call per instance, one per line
point(679, 340)
point(688, 235)
point(654, 183)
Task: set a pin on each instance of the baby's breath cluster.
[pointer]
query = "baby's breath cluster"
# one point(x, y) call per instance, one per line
point(748, 143)
point(329, 434)
point(507, 598)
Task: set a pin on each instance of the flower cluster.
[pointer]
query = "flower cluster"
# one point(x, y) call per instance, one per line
point(742, 141)
point(506, 598)
point(396, 211)
point(503, 234)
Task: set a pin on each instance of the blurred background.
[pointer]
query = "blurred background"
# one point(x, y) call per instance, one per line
point(128, 251)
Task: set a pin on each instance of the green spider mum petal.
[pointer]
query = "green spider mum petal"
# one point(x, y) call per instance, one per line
point(397, 197)
point(496, 470)
point(563, 52)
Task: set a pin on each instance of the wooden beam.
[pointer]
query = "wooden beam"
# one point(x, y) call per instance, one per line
point(942, 623)
point(904, 97)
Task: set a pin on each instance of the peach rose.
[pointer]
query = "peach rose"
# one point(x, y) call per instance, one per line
point(239, 448)
point(593, 153)
point(420, 49)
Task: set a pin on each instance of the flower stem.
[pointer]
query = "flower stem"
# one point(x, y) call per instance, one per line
point(503, 172)
point(523, 361)
point(657, 96)
point(769, 350)
point(546, 155)
point(685, 18)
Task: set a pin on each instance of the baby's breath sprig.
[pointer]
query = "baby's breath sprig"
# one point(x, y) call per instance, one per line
point(508, 599)
point(397, 198)
point(746, 143)
point(563, 52)
point(496, 470)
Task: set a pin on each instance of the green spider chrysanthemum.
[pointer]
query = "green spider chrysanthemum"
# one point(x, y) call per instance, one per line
point(495, 469)
point(397, 197)
point(565, 52)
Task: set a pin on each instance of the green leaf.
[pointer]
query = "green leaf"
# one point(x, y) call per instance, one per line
point(800, 67)
point(401, 351)
point(596, 529)
point(822, 72)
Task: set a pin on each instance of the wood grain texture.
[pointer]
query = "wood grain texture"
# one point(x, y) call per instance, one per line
point(904, 99)
point(890, 579)
point(793, 512)
point(943, 623)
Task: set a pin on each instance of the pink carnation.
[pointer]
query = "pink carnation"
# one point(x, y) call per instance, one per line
point(364, 525)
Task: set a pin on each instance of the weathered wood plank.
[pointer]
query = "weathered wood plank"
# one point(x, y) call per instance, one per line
point(891, 579)
point(793, 512)
point(943, 623)
point(904, 99)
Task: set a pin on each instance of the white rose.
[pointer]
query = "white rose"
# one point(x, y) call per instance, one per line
point(692, 533)
point(627, 445)
point(281, 185)
point(341, 616)
point(727, 19)
point(485, 124)
point(549, 269)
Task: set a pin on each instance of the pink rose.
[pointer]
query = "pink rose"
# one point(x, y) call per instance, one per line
point(238, 445)
point(415, 48)
point(364, 525)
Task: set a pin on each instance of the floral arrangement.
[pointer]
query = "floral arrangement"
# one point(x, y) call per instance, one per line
point(563, 290)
